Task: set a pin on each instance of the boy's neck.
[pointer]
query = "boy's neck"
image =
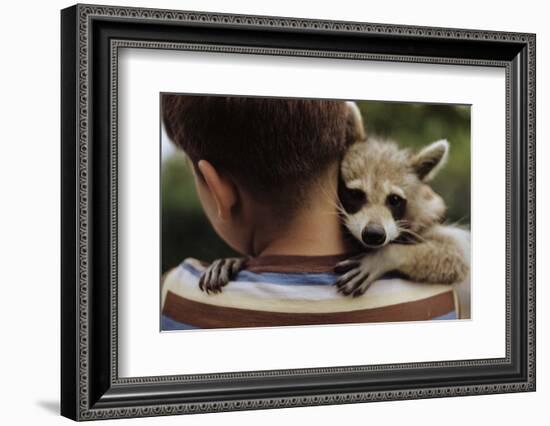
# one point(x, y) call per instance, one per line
point(315, 231)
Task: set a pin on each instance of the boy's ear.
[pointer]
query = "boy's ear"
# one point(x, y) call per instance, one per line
point(221, 188)
point(430, 159)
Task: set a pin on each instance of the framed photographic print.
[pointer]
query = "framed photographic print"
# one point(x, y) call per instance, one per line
point(263, 212)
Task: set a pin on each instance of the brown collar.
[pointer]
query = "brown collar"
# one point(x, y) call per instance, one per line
point(294, 264)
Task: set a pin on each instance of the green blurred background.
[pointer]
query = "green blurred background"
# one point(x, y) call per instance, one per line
point(186, 231)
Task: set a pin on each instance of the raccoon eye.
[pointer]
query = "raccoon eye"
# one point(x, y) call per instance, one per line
point(395, 200)
point(397, 205)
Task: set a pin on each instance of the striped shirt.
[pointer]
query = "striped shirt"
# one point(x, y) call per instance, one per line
point(295, 290)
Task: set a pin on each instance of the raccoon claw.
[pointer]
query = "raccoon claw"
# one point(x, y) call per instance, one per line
point(358, 275)
point(354, 282)
point(219, 273)
point(346, 265)
point(362, 289)
point(360, 272)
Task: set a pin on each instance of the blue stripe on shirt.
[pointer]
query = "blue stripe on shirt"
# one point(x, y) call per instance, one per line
point(450, 316)
point(168, 324)
point(285, 278)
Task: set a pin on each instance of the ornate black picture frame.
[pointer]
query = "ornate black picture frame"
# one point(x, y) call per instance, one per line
point(90, 38)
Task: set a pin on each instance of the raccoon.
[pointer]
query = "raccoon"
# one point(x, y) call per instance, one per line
point(390, 209)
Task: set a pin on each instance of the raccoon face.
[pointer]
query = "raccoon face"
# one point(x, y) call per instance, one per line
point(383, 194)
point(372, 217)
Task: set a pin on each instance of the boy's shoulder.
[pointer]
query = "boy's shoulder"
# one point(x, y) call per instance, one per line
point(182, 278)
point(258, 288)
point(293, 291)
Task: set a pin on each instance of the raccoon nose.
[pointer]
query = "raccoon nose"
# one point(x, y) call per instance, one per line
point(373, 235)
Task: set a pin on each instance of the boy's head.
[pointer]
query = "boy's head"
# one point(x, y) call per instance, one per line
point(272, 152)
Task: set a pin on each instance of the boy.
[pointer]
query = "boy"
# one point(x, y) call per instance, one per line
point(266, 172)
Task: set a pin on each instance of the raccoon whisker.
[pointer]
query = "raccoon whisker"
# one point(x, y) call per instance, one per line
point(412, 233)
point(332, 199)
point(330, 195)
point(456, 222)
point(338, 210)
point(405, 242)
point(403, 224)
point(331, 213)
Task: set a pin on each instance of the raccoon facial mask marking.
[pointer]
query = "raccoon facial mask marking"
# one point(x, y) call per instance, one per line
point(397, 205)
point(352, 199)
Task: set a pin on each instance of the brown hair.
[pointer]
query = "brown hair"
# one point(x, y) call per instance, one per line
point(275, 148)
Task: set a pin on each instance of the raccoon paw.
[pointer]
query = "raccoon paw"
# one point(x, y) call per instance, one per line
point(358, 274)
point(219, 273)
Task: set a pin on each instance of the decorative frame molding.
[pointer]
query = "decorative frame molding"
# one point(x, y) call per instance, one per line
point(91, 37)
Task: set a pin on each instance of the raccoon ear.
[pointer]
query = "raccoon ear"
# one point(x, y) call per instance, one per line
point(430, 159)
point(355, 127)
